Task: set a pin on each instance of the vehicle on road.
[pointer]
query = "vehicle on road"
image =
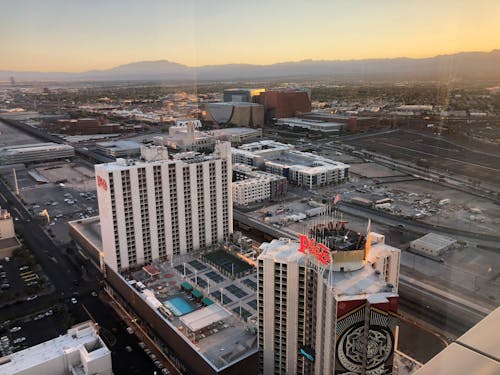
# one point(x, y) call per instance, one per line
point(31, 298)
point(73, 300)
point(128, 348)
point(14, 329)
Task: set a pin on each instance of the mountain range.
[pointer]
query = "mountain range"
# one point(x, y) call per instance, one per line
point(460, 66)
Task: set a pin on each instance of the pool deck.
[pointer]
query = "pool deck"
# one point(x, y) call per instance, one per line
point(224, 342)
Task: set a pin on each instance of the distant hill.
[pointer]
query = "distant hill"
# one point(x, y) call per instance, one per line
point(460, 66)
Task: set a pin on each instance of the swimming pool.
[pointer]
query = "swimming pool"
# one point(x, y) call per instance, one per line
point(178, 306)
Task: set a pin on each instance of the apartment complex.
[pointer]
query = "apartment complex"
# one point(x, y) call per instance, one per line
point(81, 351)
point(300, 168)
point(252, 186)
point(158, 207)
point(327, 304)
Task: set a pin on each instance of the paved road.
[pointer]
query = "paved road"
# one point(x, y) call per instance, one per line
point(62, 273)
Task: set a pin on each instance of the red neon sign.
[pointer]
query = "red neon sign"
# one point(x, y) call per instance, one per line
point(318, 250)
point(101, 182)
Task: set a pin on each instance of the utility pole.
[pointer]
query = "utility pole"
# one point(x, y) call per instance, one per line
point(15, 181)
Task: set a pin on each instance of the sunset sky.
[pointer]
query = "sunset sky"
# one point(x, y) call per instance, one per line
point(79, 35)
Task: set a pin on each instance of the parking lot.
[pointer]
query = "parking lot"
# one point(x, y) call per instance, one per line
point(21, 278)
point(65, 190)
point(33, 329)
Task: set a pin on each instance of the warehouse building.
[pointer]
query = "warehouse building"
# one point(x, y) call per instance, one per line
point(432, 244)
point(312, 125)
point(37, 152)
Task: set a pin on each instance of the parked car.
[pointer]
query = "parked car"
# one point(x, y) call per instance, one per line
point(73, 300)
point(19, 340)
point(14, 329)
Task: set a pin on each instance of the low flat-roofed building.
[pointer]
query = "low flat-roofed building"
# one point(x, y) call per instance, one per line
point(37, 152)
point(312, 125)
point(432, 244)
point(118, 149)
point(236, 136)
point(79, 352)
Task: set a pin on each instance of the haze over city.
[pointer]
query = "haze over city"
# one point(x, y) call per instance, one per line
point(85, 35)
point(249, 187)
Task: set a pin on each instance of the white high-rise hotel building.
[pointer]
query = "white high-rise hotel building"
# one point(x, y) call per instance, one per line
point(327, 319)
point(159, 207)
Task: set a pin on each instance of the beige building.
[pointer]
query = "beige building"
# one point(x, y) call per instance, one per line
point(81, 351)
point(8, 240)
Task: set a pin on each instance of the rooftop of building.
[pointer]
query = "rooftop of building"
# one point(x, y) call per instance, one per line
point(303, 161)
point(332, 116)
point(120, 145)
point(363, 282)
point(202, 303)
point(261, 147)
point(235, 104)
point(186, 287)
point(33, 147)
point(305, 122)
point(233, 131)
point(159, 154)
point(433, 240)
point(90, 228)
point(83, 337)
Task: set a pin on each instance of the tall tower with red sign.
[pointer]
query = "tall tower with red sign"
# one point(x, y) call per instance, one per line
point(327, 303)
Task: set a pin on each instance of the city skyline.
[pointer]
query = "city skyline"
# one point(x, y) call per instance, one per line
point(91, 35)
